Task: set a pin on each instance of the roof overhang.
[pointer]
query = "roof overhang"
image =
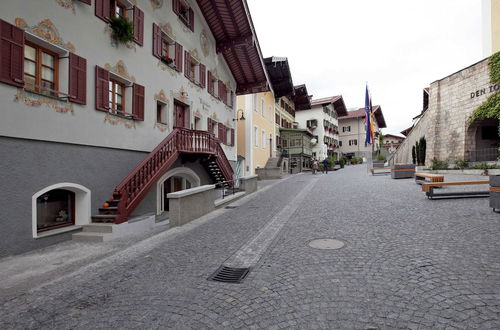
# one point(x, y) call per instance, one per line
point(236, 39)
point(301, 98)
point(379, 116)
point(336, 101)
point(280, 76)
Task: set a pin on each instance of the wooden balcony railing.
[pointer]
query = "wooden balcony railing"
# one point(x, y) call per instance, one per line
point(135, 186)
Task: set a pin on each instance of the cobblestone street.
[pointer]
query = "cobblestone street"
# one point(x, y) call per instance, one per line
point(407, 262)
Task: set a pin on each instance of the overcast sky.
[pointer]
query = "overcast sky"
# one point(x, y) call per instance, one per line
point(397, 46)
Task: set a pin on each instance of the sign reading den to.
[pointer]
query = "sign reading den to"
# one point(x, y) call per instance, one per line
point(490, 89)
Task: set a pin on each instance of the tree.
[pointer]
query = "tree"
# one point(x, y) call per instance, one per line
point(413, 155)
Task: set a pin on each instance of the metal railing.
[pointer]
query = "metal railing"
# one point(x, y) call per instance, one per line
point(228, 187)
point(483, 155)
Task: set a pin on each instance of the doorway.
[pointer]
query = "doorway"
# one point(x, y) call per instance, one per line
point(181, 115)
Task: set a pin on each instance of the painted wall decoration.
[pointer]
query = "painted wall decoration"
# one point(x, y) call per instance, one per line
point(156, 4)
point(197, 113)
point(162, 127)
point(115, 120)
point(120, 69)
point(205, 44)
point(36, 100)
point(162, 97)
point(47, 31)
point(66, 4)
point(167, 29)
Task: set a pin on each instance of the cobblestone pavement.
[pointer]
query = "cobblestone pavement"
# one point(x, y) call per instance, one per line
point(407, 262)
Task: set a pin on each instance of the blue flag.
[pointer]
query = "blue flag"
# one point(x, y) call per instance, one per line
point(368, 139)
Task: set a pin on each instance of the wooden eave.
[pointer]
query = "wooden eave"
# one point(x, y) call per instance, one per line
point(301, 98)
point(231, 25)
point(280, 76)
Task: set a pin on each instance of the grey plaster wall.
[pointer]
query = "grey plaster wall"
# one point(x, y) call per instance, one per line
point(27, 166)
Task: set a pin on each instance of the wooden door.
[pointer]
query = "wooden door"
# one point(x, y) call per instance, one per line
point(181, 115)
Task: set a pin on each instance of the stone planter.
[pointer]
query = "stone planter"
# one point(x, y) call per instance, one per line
point(494, 195)
point(402, 171)
point(378, 163)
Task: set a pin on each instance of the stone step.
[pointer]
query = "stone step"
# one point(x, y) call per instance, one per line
point(98, 228)
point(91, 237)
point(104, 218)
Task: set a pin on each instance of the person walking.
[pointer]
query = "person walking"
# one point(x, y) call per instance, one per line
point(325, 165)
point(315, 165)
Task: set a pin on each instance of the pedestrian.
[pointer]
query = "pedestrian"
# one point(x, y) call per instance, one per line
point(325, 165)
point(315, 165)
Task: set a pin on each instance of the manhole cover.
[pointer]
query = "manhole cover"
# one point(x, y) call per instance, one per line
point(326, 244)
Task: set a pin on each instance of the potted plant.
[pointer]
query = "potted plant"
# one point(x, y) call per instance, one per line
point(123, 30)
point(167, 60)
point(379, 162)
point(342, 162)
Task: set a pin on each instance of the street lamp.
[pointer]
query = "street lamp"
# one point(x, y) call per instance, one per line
point(242, 116)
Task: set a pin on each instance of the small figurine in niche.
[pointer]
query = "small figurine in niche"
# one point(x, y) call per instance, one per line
point(63, 216)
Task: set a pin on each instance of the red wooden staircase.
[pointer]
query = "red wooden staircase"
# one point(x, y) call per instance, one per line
point(130, 192)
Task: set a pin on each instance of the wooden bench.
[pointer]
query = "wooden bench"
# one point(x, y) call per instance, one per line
point(428, 188)
point(382, 169)
point(420, 177)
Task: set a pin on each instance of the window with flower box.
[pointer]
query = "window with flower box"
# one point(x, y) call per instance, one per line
point(166, 49)
point(105, 9)
point(185, 13)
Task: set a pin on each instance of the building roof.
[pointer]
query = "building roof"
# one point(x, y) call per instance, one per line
point(360, 113)
point(235, 37)
point(280, 76)
point(406, 131)
point(337, 101)
point(395, 136)
point(301, 98)
point(297, 130)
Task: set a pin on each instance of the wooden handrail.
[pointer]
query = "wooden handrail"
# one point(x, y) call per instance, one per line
point(137, 183)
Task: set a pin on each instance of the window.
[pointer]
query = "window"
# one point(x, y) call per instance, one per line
point(277, 118)
point(161, 112)
point(118, 9)
point(353, 142)
point(340, 143)
point(40, 70)
point(255, 103)
point(116, 97)
point(54, 209)
point(212, 82)
point(255, 136)
point(270, 113)
point(264, 140)
point(262, 108)
point(166, 49)
point(346, 128)
point(184, 12)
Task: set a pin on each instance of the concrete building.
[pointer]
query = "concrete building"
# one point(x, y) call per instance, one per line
point(490, 26)
point(322, 121)
point(444, 123)
point(352, 131)
point(87, 118)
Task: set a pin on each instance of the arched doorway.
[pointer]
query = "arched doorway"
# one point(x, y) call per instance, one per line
point(177, 179)
point(58, 206)
point(483, 141)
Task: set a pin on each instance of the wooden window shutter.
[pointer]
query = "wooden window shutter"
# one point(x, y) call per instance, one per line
point(219, 89)
point(77, 79)
point(11, 54)
point(209, 125)
point(210, 83)
point(232, 137)
point(178, 57)
point(187, 64)
point(138, 26)
point(101, 89)
point(203, 76)
point(156, 41)
point(88, 2)
point(176, 6)
point(103, 9)
point(191, 19)
point(220, 135)
point(138, 102)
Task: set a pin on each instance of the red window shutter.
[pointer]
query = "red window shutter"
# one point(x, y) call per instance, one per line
point(203, 76)
point(210, 83)
point(77, 79)
point(101, 89)
point(178, 57)
point(219, 89)
point(103, 9)
point(209, 125)
point(222, 92)
point(88, 2)
point(138, 26)
point(138, 102)
point(11, 54)
point(176, 6)
point(191, 19)
point(187, 64)
point(156, 41)
point(221, 130)
point(232, 137)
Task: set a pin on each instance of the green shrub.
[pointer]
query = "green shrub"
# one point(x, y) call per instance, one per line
point(123, 29)
point(439, 165)
point(484, 166)
point(381, 157)
point(461, 164)
point(342, 162)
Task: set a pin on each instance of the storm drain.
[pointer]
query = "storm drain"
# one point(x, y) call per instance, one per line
point(231, 207)
point(229, 274)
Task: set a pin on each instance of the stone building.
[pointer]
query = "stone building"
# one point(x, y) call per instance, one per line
point(88, 119)
point(444, 125)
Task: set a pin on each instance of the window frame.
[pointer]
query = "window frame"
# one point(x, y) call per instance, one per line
point(161, 111)
point(38, 88)
point(112, 108)
point(118, 4)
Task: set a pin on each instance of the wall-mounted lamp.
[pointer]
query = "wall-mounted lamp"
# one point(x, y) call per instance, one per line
point(242, 116)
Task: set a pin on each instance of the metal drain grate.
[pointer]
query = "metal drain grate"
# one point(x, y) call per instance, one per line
point(231, 207)
point(229, 274)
